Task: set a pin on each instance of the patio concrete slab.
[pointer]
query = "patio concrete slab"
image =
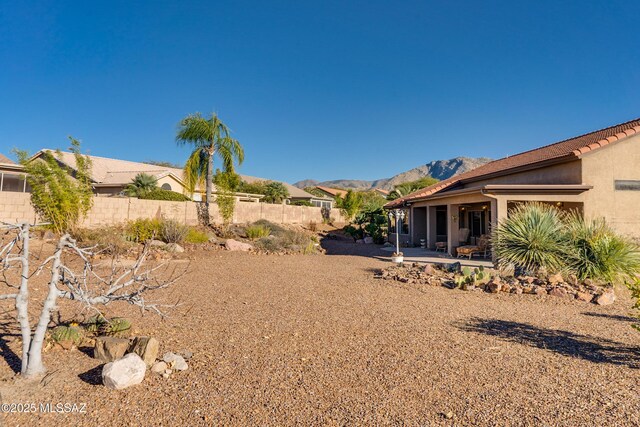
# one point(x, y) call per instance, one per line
point(420, 255)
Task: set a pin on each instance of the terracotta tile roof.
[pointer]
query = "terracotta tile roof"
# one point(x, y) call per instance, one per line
point(333, 191)
point(5, 160)
point(569, 148)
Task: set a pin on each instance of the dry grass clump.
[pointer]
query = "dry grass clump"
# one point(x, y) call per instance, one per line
point(285, 240)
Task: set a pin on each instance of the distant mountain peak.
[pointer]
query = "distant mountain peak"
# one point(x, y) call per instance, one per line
point(439, 169)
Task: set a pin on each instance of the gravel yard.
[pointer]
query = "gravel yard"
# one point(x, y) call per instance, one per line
point(316, 340)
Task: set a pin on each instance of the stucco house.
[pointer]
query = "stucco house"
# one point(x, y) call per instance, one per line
point(111, 176)
point(597, 174)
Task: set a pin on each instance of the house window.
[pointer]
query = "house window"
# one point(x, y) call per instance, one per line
point(627, 185)
point(403, 224)
point(166, 186)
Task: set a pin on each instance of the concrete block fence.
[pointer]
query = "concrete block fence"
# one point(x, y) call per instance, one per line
point(16, 207)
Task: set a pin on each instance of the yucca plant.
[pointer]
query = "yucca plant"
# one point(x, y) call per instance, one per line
point(532, 238)
point(598, 253)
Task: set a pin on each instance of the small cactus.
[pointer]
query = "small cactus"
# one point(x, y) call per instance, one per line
point(67, 336)
point(117, 326)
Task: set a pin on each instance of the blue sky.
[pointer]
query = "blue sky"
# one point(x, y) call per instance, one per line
point(322, 89)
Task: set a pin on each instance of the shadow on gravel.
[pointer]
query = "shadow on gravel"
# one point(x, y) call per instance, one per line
point(12, 359)
point(593, 349)
point(92, 376)
point(611, 316)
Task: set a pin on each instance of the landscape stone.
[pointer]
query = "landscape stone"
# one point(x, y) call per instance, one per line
point(145, 347)
point(360, 241)
point(368, 240)
point(493, 287)
point(539, 290)
point(159, 367)
point(156, 243)
point(607, 298)
point(175, 248)
point(234, 245)
point(124, 372)
point(554, 279)
point(176, 361)
point(584, 296)
point(108, 349)
point(428, 269)
point(558, 292)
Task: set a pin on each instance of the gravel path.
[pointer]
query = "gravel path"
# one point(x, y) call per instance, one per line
point(316, 340)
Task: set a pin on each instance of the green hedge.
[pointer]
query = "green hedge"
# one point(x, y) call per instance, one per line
point(160, 194)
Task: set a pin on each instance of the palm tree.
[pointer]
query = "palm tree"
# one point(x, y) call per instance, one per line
point(210, 137)
point(140, 184)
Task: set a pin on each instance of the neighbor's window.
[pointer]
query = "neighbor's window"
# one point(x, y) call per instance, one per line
point(166, 186)
point(627, 185)
point(403, 225)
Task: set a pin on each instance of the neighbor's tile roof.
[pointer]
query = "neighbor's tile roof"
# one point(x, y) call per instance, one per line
point(333, 191)
point(5, 160)
point(569, 148)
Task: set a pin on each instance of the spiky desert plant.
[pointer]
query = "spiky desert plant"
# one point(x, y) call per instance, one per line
point(532, 237)
point(599, 253)
point(70, 333)
point(258, 231)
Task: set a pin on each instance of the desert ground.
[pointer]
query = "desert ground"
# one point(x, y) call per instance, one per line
point(317, 340)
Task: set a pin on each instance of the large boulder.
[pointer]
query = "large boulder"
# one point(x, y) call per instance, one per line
point(145, 347)
point(124, 372)
point(108, 349)
point(234, 245)
point(174, 247)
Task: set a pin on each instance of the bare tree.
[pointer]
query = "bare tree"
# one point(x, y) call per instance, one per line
point(89, 286)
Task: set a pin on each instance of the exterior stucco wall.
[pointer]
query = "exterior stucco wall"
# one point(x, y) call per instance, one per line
point(563, 173)
point(618, 161)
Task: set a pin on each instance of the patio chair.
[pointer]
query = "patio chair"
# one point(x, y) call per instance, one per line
point(470, 250)
point(463, 235)
point(441, 246)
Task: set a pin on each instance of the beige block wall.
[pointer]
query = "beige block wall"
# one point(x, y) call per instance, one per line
point(618, 161)
point(16, 207)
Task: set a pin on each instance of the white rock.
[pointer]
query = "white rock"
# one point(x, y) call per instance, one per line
point(234, 245)
point(124, 372)
point(159, 368)
point(156, 243)
point(176, 361)
point(368, 240)
point(174, 247)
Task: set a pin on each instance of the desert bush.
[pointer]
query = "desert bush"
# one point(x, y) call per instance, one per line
point(300, 203)
point(275, 228)
point(350, 204)
point(598, 253)
point(161, 194)
point(532, 237)
point(355, 232)
point(143, 229)
point(56, 196)
point(196, 236)
point(286, 240)
point(258, 231)
point(173, 232)
point(312, 226)
point(275, 192)
point(110, 239)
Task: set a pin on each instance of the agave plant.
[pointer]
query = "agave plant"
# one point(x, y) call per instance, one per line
point(531, 238)
point(598, 253)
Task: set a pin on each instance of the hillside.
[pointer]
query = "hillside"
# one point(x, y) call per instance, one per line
point(439, 169)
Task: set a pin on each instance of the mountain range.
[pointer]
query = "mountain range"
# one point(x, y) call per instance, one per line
point(439, 169)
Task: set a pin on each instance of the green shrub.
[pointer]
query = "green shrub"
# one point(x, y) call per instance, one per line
point(143, 229)
point(258, 231)
point(350, 204)
point(141, 184)
point(282, 240)
point(275, 192)
point(196, 236)
point(598, 253)
point(300, 203)
point(161, 194)
point(532, 237)
point(56, 196)
point(173, 232)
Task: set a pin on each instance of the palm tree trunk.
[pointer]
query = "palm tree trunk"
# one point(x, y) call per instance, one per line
point(209, 185)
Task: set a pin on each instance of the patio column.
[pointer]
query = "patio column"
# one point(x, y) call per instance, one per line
point(431, 227)
point(453, 219)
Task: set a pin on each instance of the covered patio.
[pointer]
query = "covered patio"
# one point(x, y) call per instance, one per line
point(426, 256)
point(445, 222)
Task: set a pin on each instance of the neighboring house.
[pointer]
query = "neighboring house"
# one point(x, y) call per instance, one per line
point(383, 193)
point(12, 176)
point(295, 193)
point(110, 177)
point(331, 192)
point(596, 174)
